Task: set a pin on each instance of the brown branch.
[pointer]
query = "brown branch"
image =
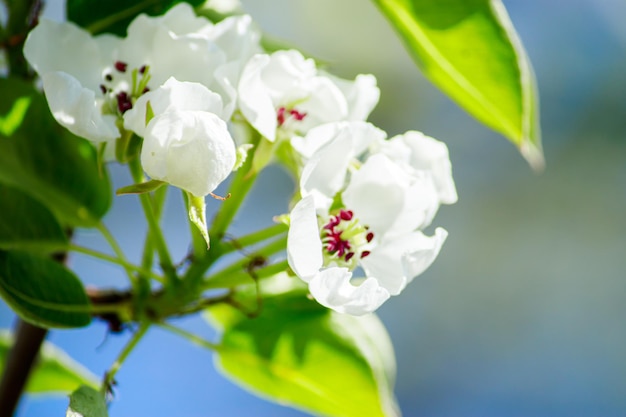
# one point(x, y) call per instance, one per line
point(20, 361)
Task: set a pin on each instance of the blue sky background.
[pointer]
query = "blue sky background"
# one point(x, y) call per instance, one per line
point(523, 312)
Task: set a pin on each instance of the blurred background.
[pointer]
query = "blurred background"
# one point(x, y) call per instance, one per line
point(524, 311)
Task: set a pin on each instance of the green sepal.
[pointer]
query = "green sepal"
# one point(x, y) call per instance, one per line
point(87, 402)
point(197, 215)
point(127, 147)
point(141, 188)
point(243, 152)
point(149, 112)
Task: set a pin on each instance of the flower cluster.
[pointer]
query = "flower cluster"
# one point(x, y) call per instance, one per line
point(184, 86)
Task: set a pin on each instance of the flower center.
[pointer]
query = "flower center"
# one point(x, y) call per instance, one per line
point(345, 239)
point(284, 115)
point(121, 90)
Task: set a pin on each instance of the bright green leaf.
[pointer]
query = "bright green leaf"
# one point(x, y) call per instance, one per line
point(47, 162)
point(300, 354)
point(42, 291)
point(113, 16)
point(470, 50)
point(87, 402)
point(144, 187)
point(27, 224)
point(54, 372)
point(218, 10)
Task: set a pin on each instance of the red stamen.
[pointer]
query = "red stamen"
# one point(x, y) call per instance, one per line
point(124, 102)
point(280, 116)
point(346, 215)
point(120, 66)
point(369, 237)
point(297, 115)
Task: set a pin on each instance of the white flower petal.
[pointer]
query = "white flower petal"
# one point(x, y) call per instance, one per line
point(421, 203)
point(422, 252)
point(332, 288)
point(315, 139)
point(76, 108)
point(325, 172)
point(53, 46)
point(325, 104)
point(287, 76)
point(360, 135)
point(304, 246)
point(377, 192)
point(255, 101)
point(192, 150)
point(429, 154)
point(237, 37)
point(396, 262)
point(173, 95)
point(361, 95)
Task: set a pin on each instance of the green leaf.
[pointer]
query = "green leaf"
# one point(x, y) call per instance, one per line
point(27, 224)
point(300, 354)
point(197, 216)
point(113, 16)
point(87, 402)
point(45, 161)
point(470, 50)
point(144, 187)
point(54, 372)
point(42, 291)
point(218, 10)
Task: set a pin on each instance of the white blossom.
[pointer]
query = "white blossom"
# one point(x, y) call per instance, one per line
point(285, 93)
point(367, 215)
point(420, 153)
point(192, 150)
point(171, 96)
point(324, 250)
point(331, 149)
point(90, 82)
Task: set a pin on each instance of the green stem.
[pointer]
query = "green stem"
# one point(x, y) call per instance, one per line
point(118, 251)
point(148, 248)
point(245, 277)
point(254, 238)
point(246, 266)
point(132, 343)
point(239, 187)
point(18, 24)
point(156, 234)
point(195, 339)
point(112, 259)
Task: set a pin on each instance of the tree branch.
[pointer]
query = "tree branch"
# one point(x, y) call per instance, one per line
point(20, 361)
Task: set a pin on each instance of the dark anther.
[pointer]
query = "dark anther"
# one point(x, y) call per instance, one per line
point(120, 66)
